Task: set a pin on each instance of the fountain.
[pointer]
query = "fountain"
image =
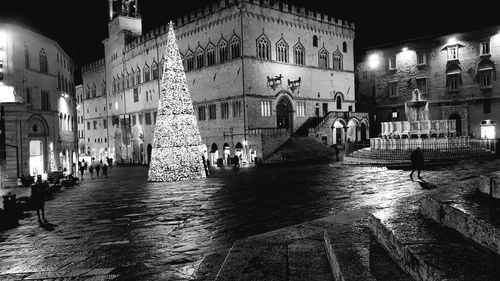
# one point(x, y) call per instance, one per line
point(437, 138)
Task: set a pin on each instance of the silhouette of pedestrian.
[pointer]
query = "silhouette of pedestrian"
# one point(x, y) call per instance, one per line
point(417, 162)
point(105, 170)
point(97, 169)
point(91, 171)
point(82, 170)
point(236, 161)
point(38, 191)
point(336, 151)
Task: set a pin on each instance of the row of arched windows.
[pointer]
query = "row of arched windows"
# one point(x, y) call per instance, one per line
point(282, 53)
point(212, 54)
point(91, 92)
point(136, 76)
point(64, 84)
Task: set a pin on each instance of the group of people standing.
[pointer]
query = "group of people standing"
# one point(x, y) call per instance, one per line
point(97, 167)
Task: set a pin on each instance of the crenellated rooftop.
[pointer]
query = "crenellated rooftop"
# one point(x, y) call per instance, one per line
point(223, 4)
point(92, 65)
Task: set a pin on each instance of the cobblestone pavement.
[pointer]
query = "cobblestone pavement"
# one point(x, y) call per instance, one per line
point(123, 228)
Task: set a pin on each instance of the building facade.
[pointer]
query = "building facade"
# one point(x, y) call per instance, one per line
point(38, 123)
point(254, 69)
point(455, 73)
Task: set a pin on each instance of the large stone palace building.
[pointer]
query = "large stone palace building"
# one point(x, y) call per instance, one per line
point(256, 72)
point(37, 100)
point(456, 73)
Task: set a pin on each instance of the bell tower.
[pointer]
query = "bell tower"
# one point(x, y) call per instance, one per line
point(127, 8)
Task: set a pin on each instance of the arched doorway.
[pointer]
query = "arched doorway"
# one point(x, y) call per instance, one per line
point(284, 113)
point(458, 119)
point(214, 154)
point(149, 148)
point(227, 153)
point(339, 129)
point(363, 132)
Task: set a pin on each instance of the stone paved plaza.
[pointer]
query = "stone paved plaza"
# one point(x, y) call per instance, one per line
point(123, 228)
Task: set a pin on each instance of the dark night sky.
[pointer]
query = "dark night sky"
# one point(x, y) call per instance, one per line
point(80, 26)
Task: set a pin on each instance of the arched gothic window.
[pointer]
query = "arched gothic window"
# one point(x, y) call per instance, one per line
point(282, 51)
point(299, 54)
point(26, 58)
point(223, 54)
point(235, 47)
point(147, 73)
point(210, 55)
point(323, 58)
point(200, 58)
point(127, 79)
point(44, 68)
point(344, 47)
point(189, 61)
point(103, 88)
point(263, 48)
point(138, 76)
point(154, 70)
point(132, 78)
point(337, 61)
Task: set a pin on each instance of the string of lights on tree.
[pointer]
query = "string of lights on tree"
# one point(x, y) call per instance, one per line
point(177, 147)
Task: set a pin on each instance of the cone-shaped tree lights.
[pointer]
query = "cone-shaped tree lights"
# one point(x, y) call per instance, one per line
point(177, 148)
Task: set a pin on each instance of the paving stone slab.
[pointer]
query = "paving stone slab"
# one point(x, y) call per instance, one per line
point(354, 256)
point(427, 251)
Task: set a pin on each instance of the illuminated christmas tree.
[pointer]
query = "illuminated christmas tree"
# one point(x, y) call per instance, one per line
point(177, 148)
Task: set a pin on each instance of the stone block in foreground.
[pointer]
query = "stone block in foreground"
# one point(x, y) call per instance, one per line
point(490, 184)
point(427, 251)
point(472, 214)
point(338, 245)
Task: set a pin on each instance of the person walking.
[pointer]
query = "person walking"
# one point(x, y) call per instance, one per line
point(82, 170)
point(417, 162)
point(336, 152)
point(105, 170)
point(236, 161)
point(97, 169)
point(38, 191)
point(91, 171)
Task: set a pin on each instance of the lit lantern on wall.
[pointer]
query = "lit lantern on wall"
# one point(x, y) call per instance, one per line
point(488, 129)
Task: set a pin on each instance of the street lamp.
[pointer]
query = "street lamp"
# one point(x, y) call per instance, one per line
point(374, 61)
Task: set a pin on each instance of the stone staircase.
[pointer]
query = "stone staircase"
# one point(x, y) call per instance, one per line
point(452, 233)
point(298, 149)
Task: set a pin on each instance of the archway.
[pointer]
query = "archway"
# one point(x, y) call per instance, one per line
point(41, 150)
point(338, 128)
point(458, 119)
point(227, 154)
point(284, 114)
point(214, 154)
point(363, 132)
